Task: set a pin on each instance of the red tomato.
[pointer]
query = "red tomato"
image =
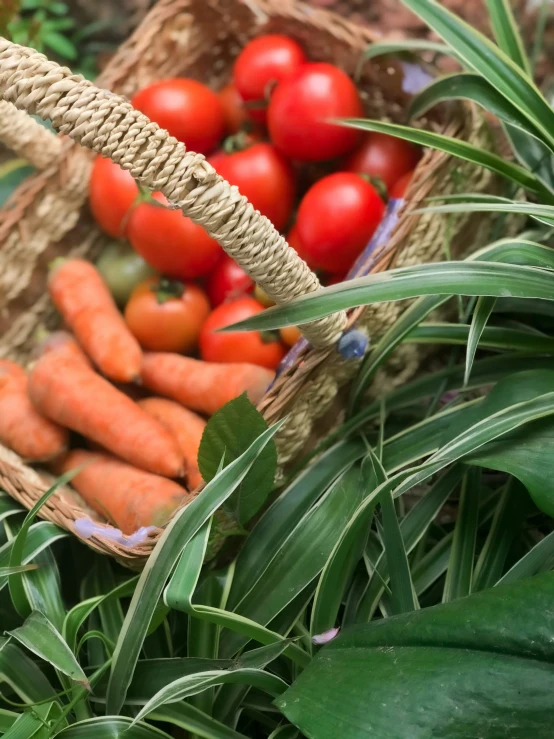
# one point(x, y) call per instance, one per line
point(401, 185)
point(300, 107)
point(228, 281)
point(254, 347)
point(171, 242)
point(335, 279)
point(293, 240)
point(383, 156)
point(112, 191)
point(166, 316)
point(262, 63)
point(234, 112)
point(187, 109)
point(264, 176)
point(336, 219)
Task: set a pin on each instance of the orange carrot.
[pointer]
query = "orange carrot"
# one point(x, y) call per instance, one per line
point(87, 307)
point(22, 428)
point(63, 343)
point(73, 395)
point(128, 497)
point(202, 386)
point(186, 427)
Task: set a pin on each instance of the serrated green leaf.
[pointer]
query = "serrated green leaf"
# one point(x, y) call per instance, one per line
point(228, 434)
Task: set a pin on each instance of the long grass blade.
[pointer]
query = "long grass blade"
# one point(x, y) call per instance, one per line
point(506, 33)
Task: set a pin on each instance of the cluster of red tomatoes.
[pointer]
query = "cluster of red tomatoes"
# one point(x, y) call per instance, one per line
point(262, 132)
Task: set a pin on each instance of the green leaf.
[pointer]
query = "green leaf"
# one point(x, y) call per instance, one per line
point(179, 592)
point(274, 527)
point(4, 571)
point(114, 727)
point(152, 581)
point(459, 575)
point(483, 308)
point(228, 434)
point(537, 559)
point(191, 719)
point(300, 558)
point(412, 527)
point(22, 674)
point(384, 48)
point(457, 148)
point(39, 636)
point(484, 57)
point(492, 337)
point(35, 723)
point(12, 174)
point(513, 506)
point(16, 583)
point(403, 597)
point(489, 655)
point(474, 87)
point(525, 453)
point(506, 32)
point(192, 684)
point(452, 278)
point(60, 44)
point(541, 213)
point(7, 720)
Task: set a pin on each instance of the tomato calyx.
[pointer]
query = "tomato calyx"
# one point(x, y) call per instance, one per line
point(377, 183)
point(268, 336)
point(165, 289)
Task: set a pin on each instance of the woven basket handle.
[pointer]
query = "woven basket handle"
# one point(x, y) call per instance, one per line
point(27, 138)
point(108, 124)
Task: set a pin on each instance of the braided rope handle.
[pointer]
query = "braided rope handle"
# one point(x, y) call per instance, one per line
point(108, 124)
point(27, 138)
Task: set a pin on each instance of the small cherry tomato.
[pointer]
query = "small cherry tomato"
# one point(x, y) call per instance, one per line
point(254, 347)
point(227, 282)
point(264, 176)
point(122, 270)
point(262, 63)
point(234, 112)
point(166, 315)
point(383, 156)
point(290, 335)
point(112, 192)
point(399, 188)
point(301, 106)
point(170, 242)
point(336, 219)
point(187, 109)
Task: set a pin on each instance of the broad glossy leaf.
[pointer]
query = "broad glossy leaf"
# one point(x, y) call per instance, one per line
point(39, 636)
point(152, 581)
point(452, 278)
point(490, 655)
point(228, 434)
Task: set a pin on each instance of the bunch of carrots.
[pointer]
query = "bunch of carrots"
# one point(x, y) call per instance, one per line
point(131, 421)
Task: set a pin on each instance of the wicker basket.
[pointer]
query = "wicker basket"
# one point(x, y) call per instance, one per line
point(47, 216)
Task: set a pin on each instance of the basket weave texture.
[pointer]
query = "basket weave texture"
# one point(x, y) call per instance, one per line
point(47, 216)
